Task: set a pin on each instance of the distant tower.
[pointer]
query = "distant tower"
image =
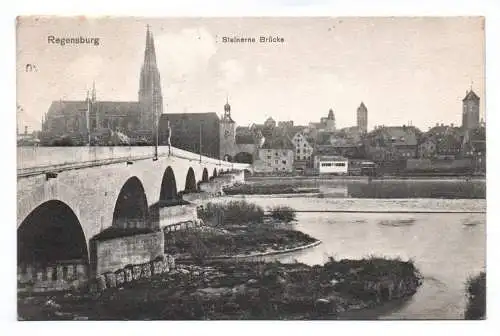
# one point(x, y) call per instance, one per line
point(93, 110)
point(362, 117)
point(470, 110)
point(227, 133)
point(150, 97)
point(330, 121)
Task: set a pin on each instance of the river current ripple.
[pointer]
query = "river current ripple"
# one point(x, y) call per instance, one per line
point(447, 247)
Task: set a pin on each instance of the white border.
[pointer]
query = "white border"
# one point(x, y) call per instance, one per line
point(490, 9)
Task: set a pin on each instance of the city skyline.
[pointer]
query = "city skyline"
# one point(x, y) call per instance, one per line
point(285, 81)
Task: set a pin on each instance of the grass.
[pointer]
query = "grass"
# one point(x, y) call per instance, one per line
point(244, 290)
point(476, 297)
point(204, 245)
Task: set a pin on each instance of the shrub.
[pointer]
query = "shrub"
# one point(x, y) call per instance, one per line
point(476, 295)
point(231, 213)
point(283, 213)
point(197, 248)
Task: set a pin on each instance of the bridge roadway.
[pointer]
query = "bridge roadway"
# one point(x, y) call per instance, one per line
point(68, 195)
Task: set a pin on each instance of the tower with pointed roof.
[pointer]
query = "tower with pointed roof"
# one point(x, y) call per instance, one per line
point(362, 118)
point(150, 96)
point(470, 110)
point(330, 121)
point(227, 133)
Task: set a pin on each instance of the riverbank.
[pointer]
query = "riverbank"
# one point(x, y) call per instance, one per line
point(243, 290)
point(251, 178)
point(476, 297)
point(207, 243)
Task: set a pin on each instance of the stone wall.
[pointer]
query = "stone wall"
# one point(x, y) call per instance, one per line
point(62, 276)
point(413, 164)
point(176, 214)
point(112, 254)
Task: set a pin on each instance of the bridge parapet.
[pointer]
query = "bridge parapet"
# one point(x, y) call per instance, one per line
point(31, 160)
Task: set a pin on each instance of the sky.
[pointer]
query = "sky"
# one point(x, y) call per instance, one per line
point(405, 70)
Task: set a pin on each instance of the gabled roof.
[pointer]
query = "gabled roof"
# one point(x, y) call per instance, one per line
point(75, 107)
point(471, 95)
point(278, 142)
point(118, 108)
point(397, 135)
point(292, 131)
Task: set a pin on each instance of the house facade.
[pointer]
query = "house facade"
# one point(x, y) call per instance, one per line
point(275, 156)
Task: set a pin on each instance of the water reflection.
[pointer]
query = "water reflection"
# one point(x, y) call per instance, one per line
point(417, 189)
point(435, 188)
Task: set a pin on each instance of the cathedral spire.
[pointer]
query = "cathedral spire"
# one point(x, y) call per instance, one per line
point(93, 92)
point(149, 51)
point(150, 96)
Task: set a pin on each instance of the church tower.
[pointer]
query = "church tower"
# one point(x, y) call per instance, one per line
point(330, 121)
point(362, 118)
point(470, 111)
point(227, 133)
point(150, 97)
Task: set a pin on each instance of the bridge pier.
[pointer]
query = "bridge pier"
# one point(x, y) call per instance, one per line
point(58, 248)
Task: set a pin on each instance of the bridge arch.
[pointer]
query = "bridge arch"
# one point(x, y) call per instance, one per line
point(244, 157)
point(49, 234)
point(168, 192)
point(131, 207)
point(190, 185)
point(204, 176)
point(214, 173)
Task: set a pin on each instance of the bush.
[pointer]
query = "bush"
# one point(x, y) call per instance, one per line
point(283, 213)
point(231, 213)
point(476, 295)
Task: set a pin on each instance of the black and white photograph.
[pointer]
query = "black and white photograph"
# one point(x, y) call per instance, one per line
point(251, 168)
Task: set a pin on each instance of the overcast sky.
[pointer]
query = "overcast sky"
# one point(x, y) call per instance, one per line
point(403, 69)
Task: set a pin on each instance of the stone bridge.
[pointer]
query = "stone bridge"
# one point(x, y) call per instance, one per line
point(68, 196)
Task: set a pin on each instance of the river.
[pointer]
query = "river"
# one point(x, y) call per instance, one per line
point(447, 246)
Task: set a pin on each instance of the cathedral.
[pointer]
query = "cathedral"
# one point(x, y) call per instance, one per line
point(86, 120)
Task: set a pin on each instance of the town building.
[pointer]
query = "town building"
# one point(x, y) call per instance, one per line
point(442, 142)
point(27, 139)
point(329, 122)
point(470, 110)
point(275, 156)
point(362, 118)
point(326, 124)
point(387, 143)
point(327, 164)
point(303, 151)
point(82, 120)
point(427, 148)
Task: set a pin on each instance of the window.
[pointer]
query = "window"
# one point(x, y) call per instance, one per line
point(275, 161)
point(305, 145)
point(276, 154)
point(269, 165)
point(284, 162)
point(284, 153)
point(340, 164)
point(269, 157)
